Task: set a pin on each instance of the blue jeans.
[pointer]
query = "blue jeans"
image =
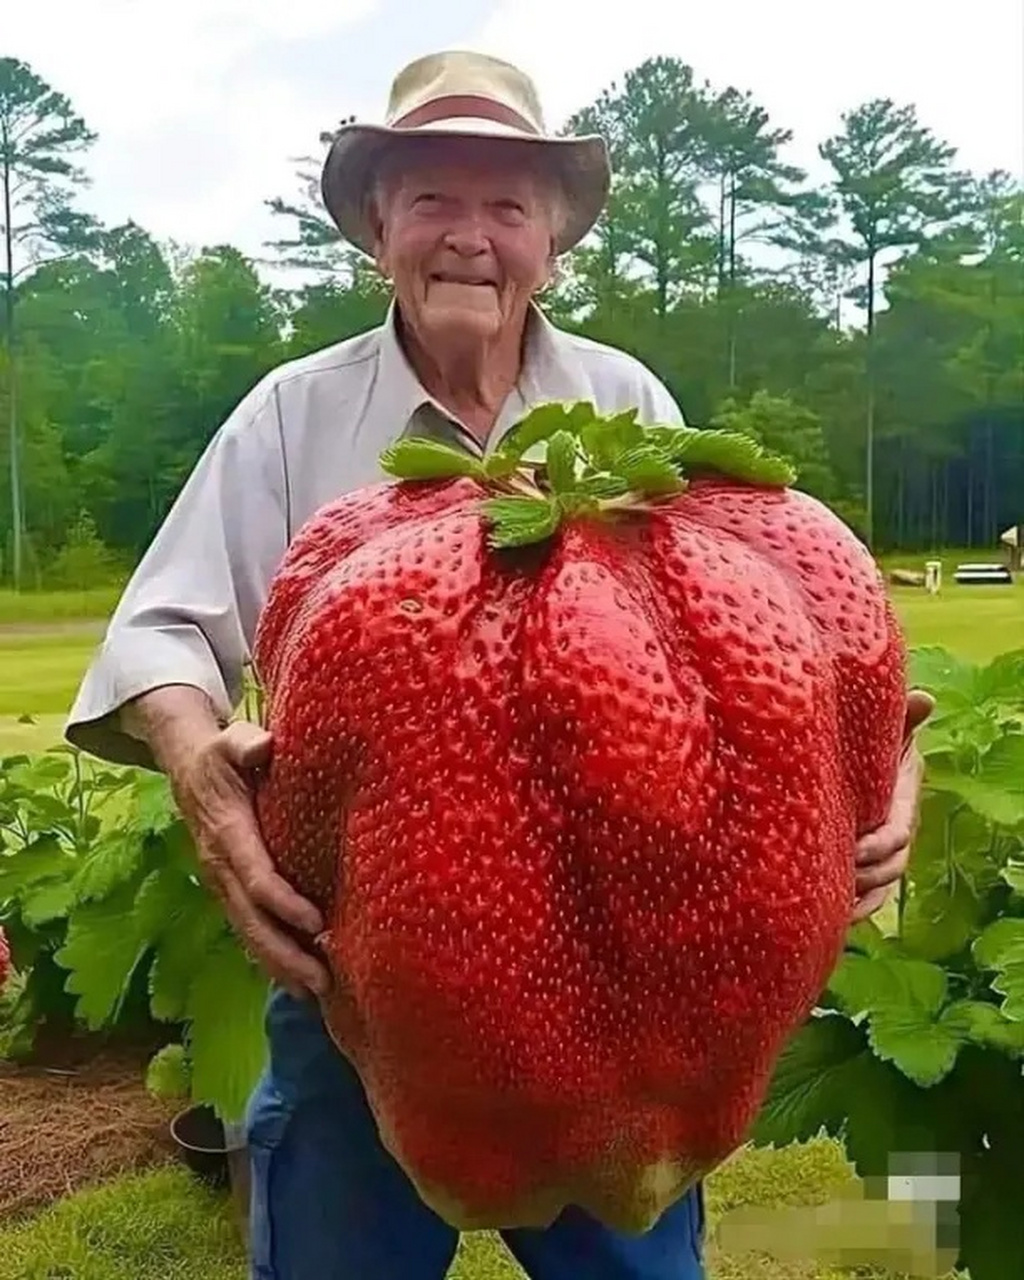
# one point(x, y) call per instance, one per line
point(329, 1203)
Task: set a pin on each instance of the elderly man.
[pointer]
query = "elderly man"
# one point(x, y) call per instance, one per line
point(465, 204)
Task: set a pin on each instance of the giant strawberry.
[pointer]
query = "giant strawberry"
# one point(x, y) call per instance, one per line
point(573, 757)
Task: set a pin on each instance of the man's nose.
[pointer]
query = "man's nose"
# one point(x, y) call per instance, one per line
point(467, 236)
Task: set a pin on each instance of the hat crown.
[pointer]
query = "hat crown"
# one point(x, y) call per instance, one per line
point(462, 74)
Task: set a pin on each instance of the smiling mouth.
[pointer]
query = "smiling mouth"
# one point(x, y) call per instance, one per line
point(476, 284)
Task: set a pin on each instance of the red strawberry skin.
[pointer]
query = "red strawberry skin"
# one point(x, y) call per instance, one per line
point(581, 819)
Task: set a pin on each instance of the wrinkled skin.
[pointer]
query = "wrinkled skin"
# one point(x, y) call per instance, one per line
point(581, 820)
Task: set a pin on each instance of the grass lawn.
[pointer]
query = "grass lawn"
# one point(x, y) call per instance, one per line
point(162, 1224)
point(40, 665)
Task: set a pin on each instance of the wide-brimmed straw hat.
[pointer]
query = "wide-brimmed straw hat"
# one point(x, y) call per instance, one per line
point(469, 95)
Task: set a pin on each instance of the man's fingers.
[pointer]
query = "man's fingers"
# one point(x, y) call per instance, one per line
point(279, 954)
point(881, 875)
point(887, 842)
point(276, 897)
point(870, 903)
point(899, 829)
point(246, 745)
point(237, 841)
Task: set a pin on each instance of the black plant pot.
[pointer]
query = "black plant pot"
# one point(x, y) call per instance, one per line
point(209, 1152)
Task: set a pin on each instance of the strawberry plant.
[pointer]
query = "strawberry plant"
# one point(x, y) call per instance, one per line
point(110, 926)
point(914, 1058)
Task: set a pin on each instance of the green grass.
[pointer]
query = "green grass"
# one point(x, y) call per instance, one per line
point(26, 607)
point(141, 1227)
point(974, 622)
point(42, 662)
point(163, 1225)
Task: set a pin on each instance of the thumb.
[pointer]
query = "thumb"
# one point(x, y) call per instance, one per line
point(920, 705)
point(246, 745)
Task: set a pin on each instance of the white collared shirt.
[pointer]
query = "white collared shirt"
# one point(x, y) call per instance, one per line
point(309, 431)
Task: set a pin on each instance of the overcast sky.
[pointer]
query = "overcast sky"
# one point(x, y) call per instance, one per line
point(201, 104)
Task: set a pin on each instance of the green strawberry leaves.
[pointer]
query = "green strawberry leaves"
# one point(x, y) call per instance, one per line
point(517, 522)
point(417, 458)
point(565, 459)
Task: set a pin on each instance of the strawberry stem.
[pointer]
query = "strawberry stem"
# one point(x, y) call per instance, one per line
point(565, 460)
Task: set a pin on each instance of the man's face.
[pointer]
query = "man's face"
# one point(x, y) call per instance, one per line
point(466, 238)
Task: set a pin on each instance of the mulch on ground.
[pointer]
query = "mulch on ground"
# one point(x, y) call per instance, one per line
point(74, 1119)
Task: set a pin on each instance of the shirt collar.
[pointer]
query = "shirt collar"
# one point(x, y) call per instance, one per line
point(551, 371)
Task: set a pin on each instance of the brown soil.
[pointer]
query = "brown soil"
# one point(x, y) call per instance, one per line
point(74, 1119)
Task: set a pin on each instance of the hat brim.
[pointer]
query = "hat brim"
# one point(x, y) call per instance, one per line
point(581, 162)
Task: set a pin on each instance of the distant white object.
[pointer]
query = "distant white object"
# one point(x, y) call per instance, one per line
point(932, 576)
point(983, 575)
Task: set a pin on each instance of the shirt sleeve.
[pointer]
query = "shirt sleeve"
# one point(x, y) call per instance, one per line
point(189, 611)
point(656, 402)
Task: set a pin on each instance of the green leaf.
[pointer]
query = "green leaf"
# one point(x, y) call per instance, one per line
point(990, 1235)
point(649, 470)
point(602, 487)
point(111, 862)
point(100, 952)
point(1013, 875)
point(183, 921)
point(153, 810)
point(827, 1079)
point(865, 984)
point(561, 462)
point(608, 438)
point(903, 1000)
point(996, 792)
point(868, 939)
point(1002, 681)
point(939, 921)
point(41, 773)
point(226, 1039)
point(984, 1024)
point(540, 424)
point(821, 1066)
point(1001, 948)
point(169, 1073)
point(974, 703)
point(41, 859)
point(47, 900)
point(944, 675)
point(923, 1048)
point(419, 458)
point(517, 522)
point(950, 874)
point(732, 455)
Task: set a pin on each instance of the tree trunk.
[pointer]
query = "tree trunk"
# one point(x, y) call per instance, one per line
point(970, 502)
point(947, 515)
point(731, 314)
point(661, 254)
point(869, 424)
point(17, 519)
point(991, 531)
point(901, 495)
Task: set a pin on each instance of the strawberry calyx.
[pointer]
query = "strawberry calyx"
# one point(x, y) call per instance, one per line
point(565, 459)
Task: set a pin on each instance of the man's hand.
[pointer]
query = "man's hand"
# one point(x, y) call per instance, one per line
point(212, 787)
point(883, 854)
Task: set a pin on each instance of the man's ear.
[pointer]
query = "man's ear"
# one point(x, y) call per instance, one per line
point(379, 238)
point(554, 270)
